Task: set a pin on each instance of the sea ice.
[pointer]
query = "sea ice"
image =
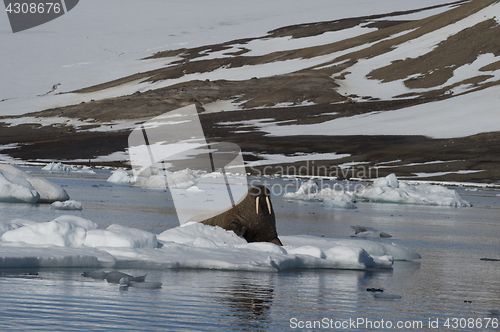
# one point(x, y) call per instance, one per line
point(66, 205)
point(390, 190)
point(60, 167)
point(48, 191)
point(368, 232)
point(65, 241)
point(173, 180)
point(373, 248)
point(331, 198)
point(16, 190)
point(307, 191)
point(120, 176)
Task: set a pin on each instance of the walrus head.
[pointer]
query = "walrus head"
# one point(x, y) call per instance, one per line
point(254, 218)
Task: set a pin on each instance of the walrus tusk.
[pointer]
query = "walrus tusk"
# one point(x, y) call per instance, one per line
point(257, 205)
point(268, 205)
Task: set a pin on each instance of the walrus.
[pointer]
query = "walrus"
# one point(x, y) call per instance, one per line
point(251, 218)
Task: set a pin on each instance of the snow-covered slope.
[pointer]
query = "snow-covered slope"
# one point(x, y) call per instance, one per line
point(417, 58)
point(77, 54)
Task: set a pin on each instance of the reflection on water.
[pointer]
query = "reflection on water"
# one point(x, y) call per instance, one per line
point(248, 298)
point(190, 300)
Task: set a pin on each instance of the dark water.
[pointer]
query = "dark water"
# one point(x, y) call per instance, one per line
point(449, 282)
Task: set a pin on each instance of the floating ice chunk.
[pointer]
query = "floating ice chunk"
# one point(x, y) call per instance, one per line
point(390, 190)
point(16, 190)
point(340, 202)
point(348, 257)
point(48, 191)
point(389, 181)
point(162, 179)
point(368, 232)
point(372, 248)
point(307, 191)
point(152, 182)
point(192, 231)
point(120, 176)
point(331, 198)
point(60, 167)
point(120, 236)
point(65, 231)
point(195, 189)
point(66, 205)
point(181, 179)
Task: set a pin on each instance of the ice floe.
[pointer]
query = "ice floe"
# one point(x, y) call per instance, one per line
point(19, 186)
point(16, 190)
point(60, 167)
point(164, 179)
point(66, 205)
point(331, 197)
point(73, 241)
point(390, 190)
point(368, 232)
point(120, 176)
point(373, 248)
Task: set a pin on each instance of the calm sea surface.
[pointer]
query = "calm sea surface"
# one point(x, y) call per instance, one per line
point(450, 285)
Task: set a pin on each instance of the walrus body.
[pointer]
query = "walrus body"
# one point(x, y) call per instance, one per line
point(251, 218)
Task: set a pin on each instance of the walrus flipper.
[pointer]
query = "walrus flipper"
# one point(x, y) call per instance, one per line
point(237, 228)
